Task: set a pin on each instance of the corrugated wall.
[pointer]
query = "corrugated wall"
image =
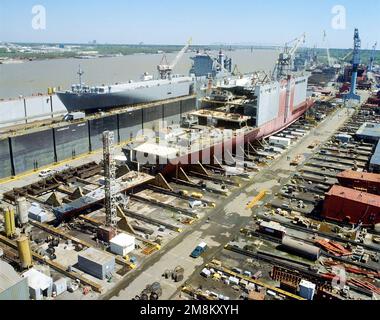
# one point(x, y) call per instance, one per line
point(48, 146)
point(172, 113)
point(11, 112)
point(35, 147)
point(188, 106)
point(39, 107)
point(5, 159)
point(152, 117)
point(130, 123)
point(98, 126)
point(268, 103)
point(71, 141)
point(300, 91)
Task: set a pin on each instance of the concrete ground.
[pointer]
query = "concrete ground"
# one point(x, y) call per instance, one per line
point(225, 221)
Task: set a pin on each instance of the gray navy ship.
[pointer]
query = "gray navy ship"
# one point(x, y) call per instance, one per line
point(148, 89)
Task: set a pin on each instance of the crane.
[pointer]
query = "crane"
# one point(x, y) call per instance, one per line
point(346, 56)
point(165, 69)
point(110, 178)
point(372, 59)
point(355, 64)
point(220, 62)
point(285, 60)
point(327, 48)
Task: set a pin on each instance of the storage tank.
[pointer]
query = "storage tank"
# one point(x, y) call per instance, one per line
point(24, 252)
point(22, 210)
point(10, 225)
point(301, 249)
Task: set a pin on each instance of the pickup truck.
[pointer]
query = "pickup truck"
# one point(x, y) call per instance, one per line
point(199, 250)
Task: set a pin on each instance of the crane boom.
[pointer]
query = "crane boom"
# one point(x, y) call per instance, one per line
point(285, 60)
point(327, 48)
point(180, 54)
point(165, 69)
point(372, 59)
point(298, 43)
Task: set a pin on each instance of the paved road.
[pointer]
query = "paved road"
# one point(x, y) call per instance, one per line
point(226, 221)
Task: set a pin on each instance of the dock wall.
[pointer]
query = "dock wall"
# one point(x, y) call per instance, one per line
point(22, 152)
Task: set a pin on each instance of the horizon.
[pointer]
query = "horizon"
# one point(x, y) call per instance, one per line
point(45, 22)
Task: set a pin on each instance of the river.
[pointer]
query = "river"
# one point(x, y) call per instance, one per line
point(36, 76)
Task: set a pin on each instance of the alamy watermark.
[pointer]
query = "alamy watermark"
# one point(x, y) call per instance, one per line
point(39, 17)
point(339, 19)
point(223, 146)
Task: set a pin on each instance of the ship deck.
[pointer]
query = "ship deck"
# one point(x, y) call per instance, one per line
point(221, 115)
point(182, 142)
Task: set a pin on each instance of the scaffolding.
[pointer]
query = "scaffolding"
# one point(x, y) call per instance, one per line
point(110, 178)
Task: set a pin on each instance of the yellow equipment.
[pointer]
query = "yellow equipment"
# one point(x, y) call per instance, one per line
point(24, 252)
point(10, 224)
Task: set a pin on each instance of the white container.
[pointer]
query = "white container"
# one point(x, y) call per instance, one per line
point(60, 286)
point(123, 244)
point(234, 281)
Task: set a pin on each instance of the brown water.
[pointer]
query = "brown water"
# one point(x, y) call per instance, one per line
point(35, 77)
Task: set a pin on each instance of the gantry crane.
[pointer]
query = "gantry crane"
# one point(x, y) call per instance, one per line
point(165, 69)
point(285, 61)
point(372, 59)
point(355, 64)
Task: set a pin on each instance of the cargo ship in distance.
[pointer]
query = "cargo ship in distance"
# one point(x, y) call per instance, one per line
point(168, 86)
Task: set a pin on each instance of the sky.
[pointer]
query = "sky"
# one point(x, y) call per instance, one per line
point(262, 22)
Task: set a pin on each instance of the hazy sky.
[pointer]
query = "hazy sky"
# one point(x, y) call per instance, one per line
point(174, 21)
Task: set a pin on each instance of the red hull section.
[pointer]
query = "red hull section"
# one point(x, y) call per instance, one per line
point(207, 155)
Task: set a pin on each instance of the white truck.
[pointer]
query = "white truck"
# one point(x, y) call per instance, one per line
point(280, 141)
point(74, 116)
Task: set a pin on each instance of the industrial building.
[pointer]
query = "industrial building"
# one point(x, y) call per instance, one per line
point(12, 285)
point(374, 164)
point(369, 132)
point(96, 263)
point(362, 181)
point(351, 206)
point(40, 285)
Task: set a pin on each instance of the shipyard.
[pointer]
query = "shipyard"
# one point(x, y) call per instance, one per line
point(215, 184)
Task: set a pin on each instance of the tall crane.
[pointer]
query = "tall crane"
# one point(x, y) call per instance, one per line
point(327, 48)
point(285, 61)
point(372, 59)
point(165, 69)
point(110, 179)
point(355, 64)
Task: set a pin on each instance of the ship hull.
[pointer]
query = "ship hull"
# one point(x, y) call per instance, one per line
point(219, 151)
point(94, 101)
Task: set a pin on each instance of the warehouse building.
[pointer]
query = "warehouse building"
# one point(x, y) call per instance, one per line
point(369, 132)
point(351, 206)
